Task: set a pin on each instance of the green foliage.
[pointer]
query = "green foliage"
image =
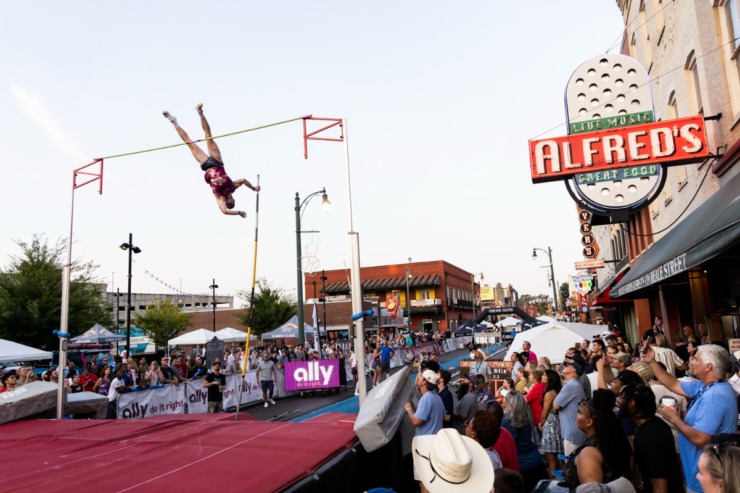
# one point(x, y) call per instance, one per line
point(31, 295)
point(271, 307)
point(564, 295)
point(162, 321)
point(541, 301)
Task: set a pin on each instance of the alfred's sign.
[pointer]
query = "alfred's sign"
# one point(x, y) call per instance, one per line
point(667, 142)
point(315, 374)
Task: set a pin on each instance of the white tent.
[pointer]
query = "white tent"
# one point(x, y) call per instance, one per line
point(554, 338)
point(509, 322)
point(194, 338)
point(12, 351)
point(230, 334)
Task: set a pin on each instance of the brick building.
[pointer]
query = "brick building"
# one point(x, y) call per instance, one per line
point(441, 296)
point(682, 255)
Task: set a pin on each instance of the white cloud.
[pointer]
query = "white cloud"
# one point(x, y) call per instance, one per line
point(33, 106)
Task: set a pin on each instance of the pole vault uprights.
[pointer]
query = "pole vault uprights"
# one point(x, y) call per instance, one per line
point(358, 333)
point(87, 177)
point(95, 176)
point(313, 135)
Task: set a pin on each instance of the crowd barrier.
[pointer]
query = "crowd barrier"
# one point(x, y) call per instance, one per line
point(191, 398)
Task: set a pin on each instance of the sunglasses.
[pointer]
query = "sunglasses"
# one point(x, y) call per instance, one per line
point(718, 447)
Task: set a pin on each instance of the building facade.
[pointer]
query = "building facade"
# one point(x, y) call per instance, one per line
point(682, 258)
point(201, 307)
point(439, 295)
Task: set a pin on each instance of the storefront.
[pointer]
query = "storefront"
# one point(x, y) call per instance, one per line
point(693, 272)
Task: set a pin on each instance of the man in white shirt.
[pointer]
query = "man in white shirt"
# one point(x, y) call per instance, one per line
point(117, 386)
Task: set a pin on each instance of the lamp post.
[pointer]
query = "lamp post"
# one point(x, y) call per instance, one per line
point(299, 206)
point(552, 274)
point(408, 295)
point(323, 302)
point(213, 287)
point(131, 250)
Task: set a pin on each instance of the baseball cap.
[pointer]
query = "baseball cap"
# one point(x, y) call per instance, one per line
point(623, 357)
point(430, 376)
point(576, 366)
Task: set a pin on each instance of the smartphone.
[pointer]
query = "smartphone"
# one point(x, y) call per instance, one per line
point(649, 341)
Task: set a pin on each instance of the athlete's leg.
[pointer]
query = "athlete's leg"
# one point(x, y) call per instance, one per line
point(198, 153)
point(213, 149)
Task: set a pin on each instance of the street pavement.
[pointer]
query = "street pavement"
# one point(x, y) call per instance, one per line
point(297, 408)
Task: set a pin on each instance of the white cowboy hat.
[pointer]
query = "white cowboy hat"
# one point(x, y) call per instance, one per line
point(449, 463)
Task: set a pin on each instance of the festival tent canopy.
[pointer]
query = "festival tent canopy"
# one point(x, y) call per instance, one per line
point(288, 330)
point(230, 334)
point(12, 351)
point(194, 338)
point(554, 338)
point(97, 334)
point(509, 322)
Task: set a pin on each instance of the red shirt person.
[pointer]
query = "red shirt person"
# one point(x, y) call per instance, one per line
point(88, 379)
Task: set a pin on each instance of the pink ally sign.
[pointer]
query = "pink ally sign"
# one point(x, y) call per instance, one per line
point(316, 374)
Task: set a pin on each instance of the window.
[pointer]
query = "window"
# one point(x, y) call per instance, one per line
point(732, 21)
point(659, 20)
point(728, 17)
point(672, 107)
point(693, 86)
point(646, 53)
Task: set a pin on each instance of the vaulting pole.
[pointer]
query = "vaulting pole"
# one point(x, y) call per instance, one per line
point(251, 301)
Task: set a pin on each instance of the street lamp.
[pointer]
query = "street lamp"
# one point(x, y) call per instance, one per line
point(299, 206)
point(131, 250)
point(552, 274)
point(213, 287)
point(408, 296)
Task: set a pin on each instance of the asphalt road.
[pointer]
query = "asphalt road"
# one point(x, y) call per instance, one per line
point(299, 408)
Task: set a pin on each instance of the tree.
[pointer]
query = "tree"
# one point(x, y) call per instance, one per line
point(271, 307)
point(564, 296)
point(162, 321)
point(31, 295)
point(541, 301)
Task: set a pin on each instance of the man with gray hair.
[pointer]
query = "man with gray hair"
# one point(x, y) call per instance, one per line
point(713, 407)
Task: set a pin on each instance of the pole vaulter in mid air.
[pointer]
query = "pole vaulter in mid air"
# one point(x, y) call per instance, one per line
point(212, 163)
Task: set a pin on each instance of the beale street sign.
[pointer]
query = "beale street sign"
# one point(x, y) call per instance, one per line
point(669, 142)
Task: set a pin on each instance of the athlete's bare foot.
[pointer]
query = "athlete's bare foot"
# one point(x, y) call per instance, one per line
point(199, 108)
point(171, 118)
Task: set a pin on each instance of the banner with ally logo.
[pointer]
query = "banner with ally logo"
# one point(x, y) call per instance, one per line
point(151, 402)
point(313, 374)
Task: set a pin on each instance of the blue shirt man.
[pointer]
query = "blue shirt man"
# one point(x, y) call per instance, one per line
point(713, 408)
point(567, 405)
point(430, 413)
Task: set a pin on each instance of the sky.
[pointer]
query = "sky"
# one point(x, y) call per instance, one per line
point(440, 99)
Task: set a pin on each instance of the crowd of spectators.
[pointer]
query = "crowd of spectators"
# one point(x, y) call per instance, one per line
point(610, 417)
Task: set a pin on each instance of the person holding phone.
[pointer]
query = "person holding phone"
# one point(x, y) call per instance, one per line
point(713, 408)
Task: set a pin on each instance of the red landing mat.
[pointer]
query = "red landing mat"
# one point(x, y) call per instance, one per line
point(168, 453)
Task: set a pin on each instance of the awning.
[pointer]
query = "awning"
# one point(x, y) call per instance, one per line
point(605, 296)
point(712, 228)
point(384, 284)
